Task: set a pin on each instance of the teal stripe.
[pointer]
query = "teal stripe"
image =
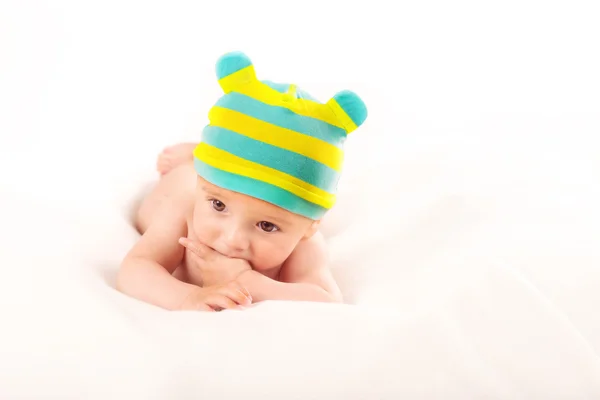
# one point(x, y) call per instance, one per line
point(260, 190)
point(297, 165)
point(284, 118)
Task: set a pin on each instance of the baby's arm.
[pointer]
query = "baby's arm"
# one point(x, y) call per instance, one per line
point(305, 276)
point(146, 271)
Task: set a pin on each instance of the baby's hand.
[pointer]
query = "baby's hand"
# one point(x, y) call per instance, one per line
point(214, 267)
point(217, 298)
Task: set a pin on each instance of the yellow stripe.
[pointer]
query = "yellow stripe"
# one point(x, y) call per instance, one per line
point(291, 91)
point(346, 121)
point(259, 91)
point(228, 162)
point(243, 76)
point(308, 146)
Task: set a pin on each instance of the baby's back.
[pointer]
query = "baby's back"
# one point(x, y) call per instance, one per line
point(177, 186)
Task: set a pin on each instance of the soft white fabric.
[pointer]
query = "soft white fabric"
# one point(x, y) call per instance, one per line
point(466, 242)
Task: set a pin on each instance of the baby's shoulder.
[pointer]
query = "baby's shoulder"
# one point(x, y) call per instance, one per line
point(308, 251)
point(308, 260)
point(315, 243)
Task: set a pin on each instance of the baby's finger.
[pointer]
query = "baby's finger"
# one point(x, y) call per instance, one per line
point(218, 300)
point(197, 248)
point(241, 288)
point(237, 293)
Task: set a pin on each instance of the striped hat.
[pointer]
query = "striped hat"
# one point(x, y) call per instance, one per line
point(274, 141)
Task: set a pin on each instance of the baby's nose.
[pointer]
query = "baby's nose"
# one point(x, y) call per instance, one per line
point(236, 239)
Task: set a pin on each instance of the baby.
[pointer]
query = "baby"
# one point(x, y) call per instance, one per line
point(234, 220)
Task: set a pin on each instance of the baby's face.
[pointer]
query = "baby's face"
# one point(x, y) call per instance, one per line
point(241, 226)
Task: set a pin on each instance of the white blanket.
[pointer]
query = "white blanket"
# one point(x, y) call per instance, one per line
point(466, 244)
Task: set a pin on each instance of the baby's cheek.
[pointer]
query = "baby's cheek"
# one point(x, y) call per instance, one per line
point(205, 231)
point(270, 255)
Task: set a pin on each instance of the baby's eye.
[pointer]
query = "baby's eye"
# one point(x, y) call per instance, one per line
point(218, 205)
point(267, 226)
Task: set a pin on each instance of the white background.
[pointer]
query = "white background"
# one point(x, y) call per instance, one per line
point(473, 187)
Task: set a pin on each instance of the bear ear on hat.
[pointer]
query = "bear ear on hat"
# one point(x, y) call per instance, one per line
point(234, 69)
point(349, 108)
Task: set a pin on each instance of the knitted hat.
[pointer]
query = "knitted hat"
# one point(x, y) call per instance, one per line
point(274, 141)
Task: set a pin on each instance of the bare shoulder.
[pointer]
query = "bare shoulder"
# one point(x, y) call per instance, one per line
point(309, 263)
point(313, 249)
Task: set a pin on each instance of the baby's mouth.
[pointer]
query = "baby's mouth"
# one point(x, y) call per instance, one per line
point(229, 254)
